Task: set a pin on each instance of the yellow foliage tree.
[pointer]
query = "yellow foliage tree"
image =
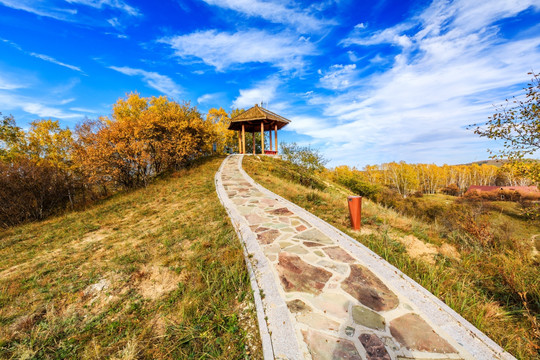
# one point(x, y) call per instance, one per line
point(142, 138)
point(11, 138)
point(223, 138)
point(402, 177)
point(47, 141)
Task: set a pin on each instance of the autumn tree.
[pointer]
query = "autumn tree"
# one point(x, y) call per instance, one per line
point(142, 138)
point(403, 177)
point(36, 176)
point(431, 177)
point(11, 138)
point(251, 139)
point(516, 174)
point(373, 174)
point(517, 124)
point(47, 141)
point(46, 167)
point(222, 137)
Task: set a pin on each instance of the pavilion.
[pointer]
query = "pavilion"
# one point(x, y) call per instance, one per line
point(254, 120)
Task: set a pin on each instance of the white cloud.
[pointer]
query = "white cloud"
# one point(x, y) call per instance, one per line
point(223, 50)
point(206, 98)
point(42, 56)
point(56, 9)
point(8, 84)
point(114, 22)
point(456, 66)
point(36, 107)
point(470, 16)
point(45, 111)
point(39, 8)
point(273, 11)
point(67, 101)
point(339, 77)
point(263, 91)
point(54, 61)
point(391, 35)
point(113, 4)
point(161, 83)
point(304, 125)
point(83, 110)
point(118, 35)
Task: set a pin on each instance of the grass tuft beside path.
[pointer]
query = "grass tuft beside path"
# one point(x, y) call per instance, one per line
point(154, 273)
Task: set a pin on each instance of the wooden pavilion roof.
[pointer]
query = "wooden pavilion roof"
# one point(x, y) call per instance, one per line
point(253, 117)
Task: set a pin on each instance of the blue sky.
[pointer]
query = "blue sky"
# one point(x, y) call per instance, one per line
point(364, 81)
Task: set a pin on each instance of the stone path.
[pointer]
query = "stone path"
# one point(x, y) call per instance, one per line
point(322, 295)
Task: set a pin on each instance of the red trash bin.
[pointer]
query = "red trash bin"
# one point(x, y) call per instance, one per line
point(355, 210)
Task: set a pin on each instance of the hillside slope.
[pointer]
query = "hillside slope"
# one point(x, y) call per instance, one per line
point(154, 273)
point(485, 285)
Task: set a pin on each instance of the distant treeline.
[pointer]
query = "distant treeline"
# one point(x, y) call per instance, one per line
point(48, 168)
point(407, 179)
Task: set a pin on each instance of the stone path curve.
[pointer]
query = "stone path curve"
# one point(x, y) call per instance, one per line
point(321, 295)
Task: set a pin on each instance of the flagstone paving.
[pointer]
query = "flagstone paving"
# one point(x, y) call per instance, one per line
point(335, 306)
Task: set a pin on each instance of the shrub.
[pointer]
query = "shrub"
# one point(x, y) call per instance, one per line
point(31, 191)
point(388, 197)
point(360, 187)
point(451, 189)
point(354, 180)
point(303, 156)
point(530, 210)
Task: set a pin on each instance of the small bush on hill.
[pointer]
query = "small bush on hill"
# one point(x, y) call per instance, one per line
point(301, 164)
point(31, 191)
point(530, 210)
point(451, 189)
point(303, 156)
point(354, 181)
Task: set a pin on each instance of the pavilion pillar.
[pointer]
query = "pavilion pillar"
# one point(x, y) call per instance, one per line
point(275, 129)
point(262, 138)
point(243, 139)
point(253, 142)
point(270, 138)
point(239, 143)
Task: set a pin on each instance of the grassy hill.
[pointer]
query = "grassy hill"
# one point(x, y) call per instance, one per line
point(494, 284)
point(153, 273)
point(159, 273)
